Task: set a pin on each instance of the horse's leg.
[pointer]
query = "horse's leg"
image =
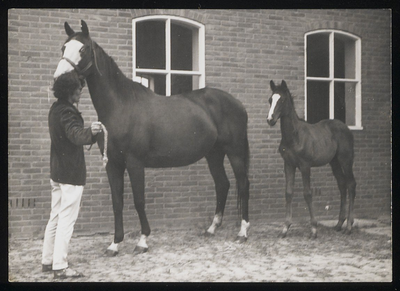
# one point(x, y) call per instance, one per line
point(115, 173)
point(215, 161)
point(136, 175)
point(305, 174)
point(341, 181)
point(289, 175)
point(351, 187)
point(239, 166)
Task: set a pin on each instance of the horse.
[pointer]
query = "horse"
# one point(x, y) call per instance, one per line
point(306, 145)
point(146, 130)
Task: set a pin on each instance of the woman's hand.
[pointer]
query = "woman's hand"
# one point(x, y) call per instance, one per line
point(96, 127)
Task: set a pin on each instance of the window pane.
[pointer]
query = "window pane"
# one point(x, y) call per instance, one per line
point(181, 47)
point(317, 101)
point(318, 55)
point(345, 102)
point(181, 84)
point(150, 45)
point(345, 55)
point(156, 82)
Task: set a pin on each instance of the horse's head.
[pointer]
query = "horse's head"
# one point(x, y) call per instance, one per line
point(77, 52)
point(278, 100)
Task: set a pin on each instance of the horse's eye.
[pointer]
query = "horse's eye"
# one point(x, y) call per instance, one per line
point(270, 100)
point(82, 50)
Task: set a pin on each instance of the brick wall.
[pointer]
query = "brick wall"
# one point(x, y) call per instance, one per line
point(244, 50)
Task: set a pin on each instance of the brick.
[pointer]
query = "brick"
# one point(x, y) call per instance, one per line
point(244, 50)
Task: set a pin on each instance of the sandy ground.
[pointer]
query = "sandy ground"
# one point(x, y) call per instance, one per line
point(188, 256)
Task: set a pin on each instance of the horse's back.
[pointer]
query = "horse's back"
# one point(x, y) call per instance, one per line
point(228, 113)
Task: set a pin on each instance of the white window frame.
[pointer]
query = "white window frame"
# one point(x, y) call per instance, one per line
point(331, 79)
point(198, 51)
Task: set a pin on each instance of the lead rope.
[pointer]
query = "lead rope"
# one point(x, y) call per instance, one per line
point(105, 158)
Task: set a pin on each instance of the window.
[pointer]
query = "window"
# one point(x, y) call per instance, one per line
point(168, 54)
point(333, 77)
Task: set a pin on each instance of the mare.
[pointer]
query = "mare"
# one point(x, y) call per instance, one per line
point(149, 130)
point(305, 145)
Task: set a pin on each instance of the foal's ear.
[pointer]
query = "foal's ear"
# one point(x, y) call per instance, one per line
point(283, 84)
point(272, 85)
point(84, 28)
point(68, 29)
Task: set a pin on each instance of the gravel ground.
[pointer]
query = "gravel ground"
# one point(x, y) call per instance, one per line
point(188, 256)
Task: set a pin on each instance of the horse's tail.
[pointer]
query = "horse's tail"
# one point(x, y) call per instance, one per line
point(246, 156)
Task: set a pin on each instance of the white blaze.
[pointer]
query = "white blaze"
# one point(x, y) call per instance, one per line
point(275, 99)
point(71, 52)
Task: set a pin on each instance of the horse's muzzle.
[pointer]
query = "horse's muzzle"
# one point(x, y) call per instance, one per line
point(271, 121)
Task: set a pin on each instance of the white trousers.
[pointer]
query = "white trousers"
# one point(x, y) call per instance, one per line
point(65, 205)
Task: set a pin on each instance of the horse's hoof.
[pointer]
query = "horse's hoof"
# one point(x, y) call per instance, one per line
point(140, 250)
point(313, 236)
point(208, 234)
point(241, 239)
point(282, 234)
point(337, 228)
point(111, 253)
point(347, 231)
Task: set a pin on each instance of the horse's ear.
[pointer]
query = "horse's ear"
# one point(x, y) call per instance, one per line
point(68, 29)
point(283, 84)
point(272, 85)
point(84, 28)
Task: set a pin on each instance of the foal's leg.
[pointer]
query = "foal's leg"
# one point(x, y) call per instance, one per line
point(136, 175)
point(341, 181)
point(239, 166)
point(305, 174)
point(351, 187)
point(115, 173)
point(215, 161)
point(290, 175)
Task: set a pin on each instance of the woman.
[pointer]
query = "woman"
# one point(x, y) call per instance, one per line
point(68, 172)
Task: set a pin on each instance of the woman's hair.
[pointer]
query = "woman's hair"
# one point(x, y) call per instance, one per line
point(66, 84)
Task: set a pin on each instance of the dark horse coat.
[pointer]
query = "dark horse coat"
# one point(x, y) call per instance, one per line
point(305, 145)
point(149, 130)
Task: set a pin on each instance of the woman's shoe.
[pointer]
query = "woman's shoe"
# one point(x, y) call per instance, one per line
point(66, 273)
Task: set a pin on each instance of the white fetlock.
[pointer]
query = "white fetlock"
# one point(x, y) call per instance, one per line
point(216, 222)
point(113, 247)
point(142, 242)
point(244, 228)
point(313, 232)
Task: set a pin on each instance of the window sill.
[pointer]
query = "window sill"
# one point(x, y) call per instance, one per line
point(356, 127)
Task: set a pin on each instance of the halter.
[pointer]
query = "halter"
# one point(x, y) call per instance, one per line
point(82, 71)
point(81, 76)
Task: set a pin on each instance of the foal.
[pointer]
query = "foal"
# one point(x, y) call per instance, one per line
point(305, 145)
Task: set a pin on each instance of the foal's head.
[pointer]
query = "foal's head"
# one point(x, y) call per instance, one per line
point(77, 52)
point(278, 101)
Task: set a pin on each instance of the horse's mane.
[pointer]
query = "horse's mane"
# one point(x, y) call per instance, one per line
point(122, 84)
point(292, 102)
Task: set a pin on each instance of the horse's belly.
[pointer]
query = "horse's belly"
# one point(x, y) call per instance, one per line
point(177, 156)
point(180, 148)
point(321, 158)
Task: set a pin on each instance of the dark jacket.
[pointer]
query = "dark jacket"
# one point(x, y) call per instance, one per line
point(67, 134)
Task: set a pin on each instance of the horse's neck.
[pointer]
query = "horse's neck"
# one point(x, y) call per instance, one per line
point(101, 97)
point(289, 125)
point(103, 90)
